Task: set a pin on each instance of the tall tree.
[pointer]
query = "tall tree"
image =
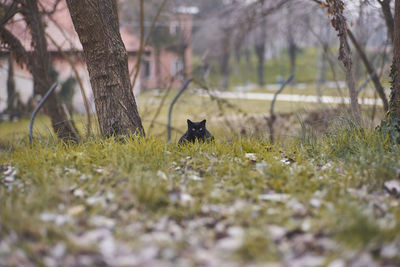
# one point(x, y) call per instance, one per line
point(98, 28)
point(11, 93)
point(291, 43)
point(392, 119)
point(387, 14)
point(259, 48)
point(38, 62)
point(225, 55)
point(335, 9)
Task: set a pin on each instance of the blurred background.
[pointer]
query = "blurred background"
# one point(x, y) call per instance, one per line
point(240, 54)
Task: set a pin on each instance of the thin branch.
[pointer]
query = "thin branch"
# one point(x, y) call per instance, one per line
point(164, 98)
point(371, 71)
point(21, 55)
point(53, 9)
point(11, 11)
point(153, 23)
point(62, 31)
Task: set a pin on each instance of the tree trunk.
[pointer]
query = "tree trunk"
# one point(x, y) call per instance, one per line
point(40, 69)
point(11, 94)
point(248, 65)
point(259, 48)
point(392, 120)
point(321, 71)
point(371, 71)
point(292, 47)
point(335, 9)
point(260, 52)
point(292, 55)
point(387, 14)
point(225, 49)
point(96, 23)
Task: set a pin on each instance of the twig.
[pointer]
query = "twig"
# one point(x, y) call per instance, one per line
point(185, 85)
point(11, 11)
point(272, 115)
point(158, 111)
point(371, 71)
point(153, 23)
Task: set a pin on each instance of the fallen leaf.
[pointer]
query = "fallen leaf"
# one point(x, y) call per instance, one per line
point(393, 187)
point(251, 156)
point(274, 197)
point(101, 221)
point(75, 210)
point(58, 219)
point(162, 175)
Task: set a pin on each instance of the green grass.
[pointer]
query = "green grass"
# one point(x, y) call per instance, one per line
point(183, 200)
point(189, 106)
point(278, 67)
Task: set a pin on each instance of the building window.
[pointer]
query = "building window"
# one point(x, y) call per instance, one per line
point(177, 67)
point(174, 28)
point(146, 69)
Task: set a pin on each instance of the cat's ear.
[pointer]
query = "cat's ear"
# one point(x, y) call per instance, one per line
point(189, 122)
point(203, 122)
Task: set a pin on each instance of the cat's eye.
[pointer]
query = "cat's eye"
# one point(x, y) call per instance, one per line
point(193, 129)
point(201, 129)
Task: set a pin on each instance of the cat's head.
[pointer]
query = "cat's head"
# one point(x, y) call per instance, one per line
point(196, 128)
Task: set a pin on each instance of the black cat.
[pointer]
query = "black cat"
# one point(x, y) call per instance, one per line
point(196, 130)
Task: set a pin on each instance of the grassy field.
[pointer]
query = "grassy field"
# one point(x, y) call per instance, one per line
point(278, 67)
point(189, 106)
point(309, 199)
point(307, 202)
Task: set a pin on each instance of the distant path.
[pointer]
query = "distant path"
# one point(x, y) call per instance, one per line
point(290, 98)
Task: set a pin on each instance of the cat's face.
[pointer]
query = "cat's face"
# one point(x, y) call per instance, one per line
point(196, 129)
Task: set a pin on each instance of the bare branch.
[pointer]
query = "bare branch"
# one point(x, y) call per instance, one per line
point(371, 71)
point(52, 10)
point(11, 11)
point(78, 78)
point(20, 54)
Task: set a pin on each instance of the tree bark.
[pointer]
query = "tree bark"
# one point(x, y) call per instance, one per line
point(260, 52)
point(11, 94)
point(38, 63)
point(387, 14)
point(259, 48)
point(392, 119)
point(41, 73)
point(371, 71)
point(321, 71)
point(96, 23)
point(335, 9)
point(292, 47)
point(225, 56)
